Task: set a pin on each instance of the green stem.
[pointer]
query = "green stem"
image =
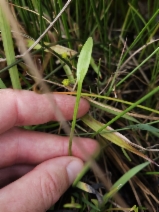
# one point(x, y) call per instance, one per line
point(74, 117)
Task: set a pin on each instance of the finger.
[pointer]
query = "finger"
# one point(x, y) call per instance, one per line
point(41, 188)
point(29, 147)
point(10, 174)
point(20, 108)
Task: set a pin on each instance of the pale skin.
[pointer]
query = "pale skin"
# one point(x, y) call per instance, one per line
point(35, 169)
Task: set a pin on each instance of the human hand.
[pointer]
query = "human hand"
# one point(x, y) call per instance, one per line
point(35, 167)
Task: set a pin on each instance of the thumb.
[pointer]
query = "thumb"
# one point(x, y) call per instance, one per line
point(39, 189)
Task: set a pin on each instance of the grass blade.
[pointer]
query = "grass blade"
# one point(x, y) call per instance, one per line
point(9, 50)
point(115, 137)
point(123, 180)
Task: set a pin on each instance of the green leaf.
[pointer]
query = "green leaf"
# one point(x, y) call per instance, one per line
point(123, 180)
point(146, 127)
point(84, 60)
point(2, 85)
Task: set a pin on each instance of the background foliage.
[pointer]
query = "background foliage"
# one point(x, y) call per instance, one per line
point(123, 76)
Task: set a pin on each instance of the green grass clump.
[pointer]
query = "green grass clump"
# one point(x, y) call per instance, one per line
point(121, 85)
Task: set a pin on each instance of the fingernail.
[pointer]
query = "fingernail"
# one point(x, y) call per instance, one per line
point(73, 169)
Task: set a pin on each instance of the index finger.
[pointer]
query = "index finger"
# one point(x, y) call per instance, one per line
point(19, 108)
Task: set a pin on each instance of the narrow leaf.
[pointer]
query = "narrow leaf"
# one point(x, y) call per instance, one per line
point(9, 50)
point(123, 180)
point(146, 127)
point(110, 109)
point(57, 48)
point(84, 60)
point(2, 85)
point(115, 137)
